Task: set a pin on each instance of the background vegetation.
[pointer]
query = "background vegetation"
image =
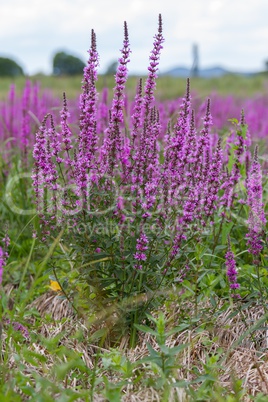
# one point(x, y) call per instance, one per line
point(167, 87)
point(64, 340)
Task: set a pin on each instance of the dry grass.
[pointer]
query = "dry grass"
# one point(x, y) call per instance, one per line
point(243, 357)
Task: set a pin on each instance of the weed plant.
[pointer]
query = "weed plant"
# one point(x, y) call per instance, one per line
point(153, 235)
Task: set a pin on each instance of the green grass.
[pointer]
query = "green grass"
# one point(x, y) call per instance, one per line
point(167, 87)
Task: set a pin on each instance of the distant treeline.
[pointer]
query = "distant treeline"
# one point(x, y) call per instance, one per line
point(62, 64)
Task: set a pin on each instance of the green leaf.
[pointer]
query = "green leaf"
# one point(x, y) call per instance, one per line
point(243, 130)
point(177, 329)
point(152, 351)
point(180, 384)
point(233, 121)
point(213, 301)
point(203, 378)
point(63, 369)
point(33, 358)
point(100, 333)
point(231, 160)
point(174, 350)
point(146, 329)
point(226, 229)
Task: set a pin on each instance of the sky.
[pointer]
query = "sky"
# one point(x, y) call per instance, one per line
point(229, 33)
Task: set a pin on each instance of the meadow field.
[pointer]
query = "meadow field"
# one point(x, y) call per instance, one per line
point(167, 87)
point(133, 237)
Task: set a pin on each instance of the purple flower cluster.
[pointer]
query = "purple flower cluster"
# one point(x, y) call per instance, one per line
point(113, 148)
point(237, 153)
point(21, 114)
point(3, 256)
point(88, 113)
point(256, 219)
point(21, 328)
point(137, 175)
point(192, 174)
point(153, 67)
point(20, 117)
point(2, 263)
point(231, 268)
point(141, 247)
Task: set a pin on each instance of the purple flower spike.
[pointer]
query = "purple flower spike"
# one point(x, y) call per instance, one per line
point(26, 127)
point(3, 255)
point(40, 162)
point(66, 132)
point(256, 219)
point(231, 268)
point(88, 126)
point(153, 67)
point(141, 247)
point(2, 263)
point(213, 181)
point(137, 113)
point(112, 147)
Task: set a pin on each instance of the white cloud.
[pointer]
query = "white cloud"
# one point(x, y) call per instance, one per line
point(215, 6)
point(232, 33)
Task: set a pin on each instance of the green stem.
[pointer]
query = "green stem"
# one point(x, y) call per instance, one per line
point(133, 334)
point(63, 291)
point(260, 288)
point(94, 371)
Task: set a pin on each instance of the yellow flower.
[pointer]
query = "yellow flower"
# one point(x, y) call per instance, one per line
point(55, 286)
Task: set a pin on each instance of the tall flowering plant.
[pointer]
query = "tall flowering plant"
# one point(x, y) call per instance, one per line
point(231, 270)
point(256, 218)
point(134, 205)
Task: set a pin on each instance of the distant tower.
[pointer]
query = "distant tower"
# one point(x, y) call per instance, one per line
point(195, 66)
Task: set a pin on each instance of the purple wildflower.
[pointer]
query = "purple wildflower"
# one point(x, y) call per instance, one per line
point(19, 327)
point(3, 255)
point(137, 112)
point(52, 147)
point(39, 155)
point(232, 178)
point(140, 256)
point(11, 123)
point(213, 181)
point(190, 142)
point(256, 218)
point(177, 144)
point(2, 263)
point(88, 126)
point(231, 268)
point(153, 67)
point(45, 173)
point(6, 241)
point(178, 152)
point(88, 110)
point(25, 129)
point(112, 147)
point(103, 112)
point(203, 145)
point(141, 247)
point(146, 169)
point(183, 272)
point(66, 132)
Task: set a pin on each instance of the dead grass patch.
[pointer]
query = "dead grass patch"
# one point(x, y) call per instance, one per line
point(243, 347)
